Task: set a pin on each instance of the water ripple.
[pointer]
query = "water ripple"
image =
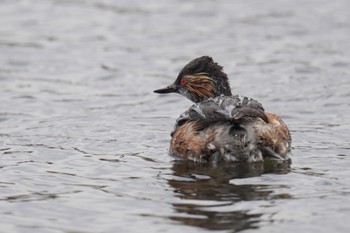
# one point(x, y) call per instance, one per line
point(84, 140)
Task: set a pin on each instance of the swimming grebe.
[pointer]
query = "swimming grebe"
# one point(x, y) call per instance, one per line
point(219, 126)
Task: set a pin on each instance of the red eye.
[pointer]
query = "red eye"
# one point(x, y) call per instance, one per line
point(183, 82)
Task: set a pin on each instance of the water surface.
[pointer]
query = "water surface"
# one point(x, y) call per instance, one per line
point(84, 139)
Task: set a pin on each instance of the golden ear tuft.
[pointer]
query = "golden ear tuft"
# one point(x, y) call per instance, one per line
point(201, 85)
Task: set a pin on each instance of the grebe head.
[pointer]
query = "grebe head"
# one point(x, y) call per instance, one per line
point(199, 80)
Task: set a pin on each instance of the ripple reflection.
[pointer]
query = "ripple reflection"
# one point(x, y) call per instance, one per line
point(207, 197)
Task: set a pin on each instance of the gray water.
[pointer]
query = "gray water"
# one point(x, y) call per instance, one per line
point(84, 140)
